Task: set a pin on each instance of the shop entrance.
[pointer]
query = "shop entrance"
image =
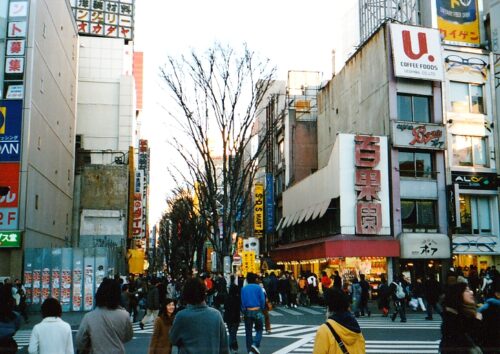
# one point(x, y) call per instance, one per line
point(422, 268)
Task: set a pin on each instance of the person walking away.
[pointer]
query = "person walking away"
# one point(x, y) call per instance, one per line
point(22, 306)
point(152, 304)
point(273, 289)
point(105, 329)
point(432, 292)
point(462, 324)
point(294, 290)
point(220, 290)
point(252, 303)
point(303, 298)
point(356, 296)
point(418, 294)
point(198, 328)
point(160, 341)
point(326, 282)
point(337, 280)
point(232, 317)
point(209, 284)
point(383, 296)
point(52, 335)
point(312, 288)
point(491, 324)
point(10, 321)
point(125, 298)
point(283, 289)
point(396, 289)
point(365, 295)
point(343, 324)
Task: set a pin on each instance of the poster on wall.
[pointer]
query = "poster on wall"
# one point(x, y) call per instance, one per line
point(45, 284)
point(77, 280)
point(458, 22)
point(88, 290)
point(28, 276)
point(66, 279)
point(37, 292)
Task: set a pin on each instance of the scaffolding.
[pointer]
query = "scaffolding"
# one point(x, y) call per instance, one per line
point(373, 13)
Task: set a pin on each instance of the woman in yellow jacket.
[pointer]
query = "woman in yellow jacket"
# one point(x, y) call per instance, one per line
point(343, 323)
point(160, 341)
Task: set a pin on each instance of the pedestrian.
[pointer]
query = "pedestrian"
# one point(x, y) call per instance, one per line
point(105, 329)
point(10, 321)
point(432, 292)
point(125, 298)
point(52, 335)
point(232, 313)
point(303, 298)
point(396, 290)
point(356, 296)
point(312, 288)
point(152, 304)
point(22, 306)
point(294, 290)
point(220, 285)
point(341, 328)
point(326, 282)
point(283, 289)
point(383, 296)
point(491, 324)
point(160, 341)
point(365, 295)
point(252, 303)
point(209, 284)
point(418, 294)
point(462, 325)
point(337, 280)
point(198, 328)
point(273, 288)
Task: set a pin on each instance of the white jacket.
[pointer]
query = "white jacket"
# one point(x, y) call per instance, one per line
point(51, 336)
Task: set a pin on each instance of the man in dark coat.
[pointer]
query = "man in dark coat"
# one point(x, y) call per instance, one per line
point(432, 292)
point(232, 317)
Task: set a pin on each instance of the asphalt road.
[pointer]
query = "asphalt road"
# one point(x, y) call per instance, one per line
point(293, 331)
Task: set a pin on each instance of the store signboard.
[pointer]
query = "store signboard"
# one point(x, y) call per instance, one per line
point(458, 22)
point(105, 18)
point(11, 113)
point(425, 246)
point(472, 180)
point(419, 135)
point(4, 12)
point(10, 239)
point(9, 178)
point(258, 211)
point(269, 203)
point(416, 52)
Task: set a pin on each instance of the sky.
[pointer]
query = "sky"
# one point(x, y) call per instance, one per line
point(293, 34)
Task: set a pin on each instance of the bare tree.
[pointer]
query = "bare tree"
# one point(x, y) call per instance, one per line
point(217, 94)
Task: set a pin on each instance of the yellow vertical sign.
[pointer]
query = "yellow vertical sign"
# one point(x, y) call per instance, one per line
point(3, 119)
point(247, 262)
point(258, 210)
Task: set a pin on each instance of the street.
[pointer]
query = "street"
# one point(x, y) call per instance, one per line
point(293, 331)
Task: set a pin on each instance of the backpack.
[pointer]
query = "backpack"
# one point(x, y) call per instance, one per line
point(400, 293)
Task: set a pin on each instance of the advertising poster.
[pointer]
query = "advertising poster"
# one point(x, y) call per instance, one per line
point(11, 114)
point(258, 211)
point(66, 279)
point(45, 284)
point(55, 288)
point(9, 203)
point(458, 22)
point(37, 292)
point(77, 279)
point(88, 290)
point(28, 275)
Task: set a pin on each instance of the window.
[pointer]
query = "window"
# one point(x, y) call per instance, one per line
point(414, 108)
point(416, 164)
point(466, 98)
point(470, 151)
point(281, 151)
point(475, 215)
point(418, 215)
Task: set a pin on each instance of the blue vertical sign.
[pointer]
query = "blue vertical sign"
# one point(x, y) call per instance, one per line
point(269, 206)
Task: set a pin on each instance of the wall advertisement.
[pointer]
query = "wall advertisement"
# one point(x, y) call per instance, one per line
point(9, 180)
point(458, 22)
point(416, 52)
point(258, 211)
point(419, 135)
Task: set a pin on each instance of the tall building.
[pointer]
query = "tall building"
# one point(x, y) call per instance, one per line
point(38, 81)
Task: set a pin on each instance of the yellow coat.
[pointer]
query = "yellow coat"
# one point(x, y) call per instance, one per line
point(325, 343)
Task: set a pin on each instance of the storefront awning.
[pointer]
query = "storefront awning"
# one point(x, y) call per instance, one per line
point(280, 223)
point(424, 246)
point(338, 246)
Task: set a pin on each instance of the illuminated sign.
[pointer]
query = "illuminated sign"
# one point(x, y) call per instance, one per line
point(471, 180)
point(418, 135)
point(458, 22)
point(416, 52)
point(258, 211)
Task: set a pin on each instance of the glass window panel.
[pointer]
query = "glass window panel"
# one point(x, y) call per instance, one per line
point(406, 164)
point(459, 97)
point(465, 214)
point(423, 164)
point(479, 151)
point(408, 213)
point(484, 215)
point(476, 96)
point(421, 109)
point(462, 150)
point(404, 108)
point(426, 213)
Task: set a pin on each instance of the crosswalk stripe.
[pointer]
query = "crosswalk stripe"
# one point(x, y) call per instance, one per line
point(275, 313)
point(291, 312)
point(311, 311)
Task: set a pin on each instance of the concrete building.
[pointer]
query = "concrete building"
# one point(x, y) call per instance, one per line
point(38, 75)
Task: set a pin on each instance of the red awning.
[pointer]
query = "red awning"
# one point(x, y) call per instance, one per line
point(338, 246)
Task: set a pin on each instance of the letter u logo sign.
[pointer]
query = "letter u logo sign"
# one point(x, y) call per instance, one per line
point(422, 46)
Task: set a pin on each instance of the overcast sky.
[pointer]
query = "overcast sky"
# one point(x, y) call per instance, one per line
point(293, 34)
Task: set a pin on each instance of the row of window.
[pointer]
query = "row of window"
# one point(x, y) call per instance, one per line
point(421, 215)
point(464, 98)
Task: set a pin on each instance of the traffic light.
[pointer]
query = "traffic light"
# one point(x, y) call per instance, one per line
point(4, 191)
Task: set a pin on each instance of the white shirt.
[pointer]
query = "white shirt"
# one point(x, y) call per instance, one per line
point(51, 336)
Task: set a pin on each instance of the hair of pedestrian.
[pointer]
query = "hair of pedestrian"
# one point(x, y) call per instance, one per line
point(6, 304)
point(51, 308)
point(336, 300)
point(454, 296)
point(108, 294)
point(251, 278)
point(194, 291)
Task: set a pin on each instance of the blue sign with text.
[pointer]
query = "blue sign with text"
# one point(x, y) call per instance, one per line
point(269, 206)
point(11, 114)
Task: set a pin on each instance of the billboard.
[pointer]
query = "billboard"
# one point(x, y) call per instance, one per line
point(416, 52)
point(258, 211)
point(458, 22)
point(419, 135)
point(11, 113)
point(104, 18)
point(9, 178)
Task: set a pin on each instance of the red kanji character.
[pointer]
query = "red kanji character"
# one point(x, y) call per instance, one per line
point(82, 27)
point(124, 31)
point(110, 30)
point(369, 218)
point(368, 184)
point(15, 30)
point(367, 154)
point(15, 65)
point(96, 28)
point(463, 34)
point(474, 36)
point(453, 34)
point(18, 8)
point(15, 47)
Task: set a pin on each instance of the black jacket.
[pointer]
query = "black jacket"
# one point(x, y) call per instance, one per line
point(232, 305)
point(459, 333)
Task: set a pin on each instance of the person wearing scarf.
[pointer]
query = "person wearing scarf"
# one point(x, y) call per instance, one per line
point(462, 324)
point(345, 325)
